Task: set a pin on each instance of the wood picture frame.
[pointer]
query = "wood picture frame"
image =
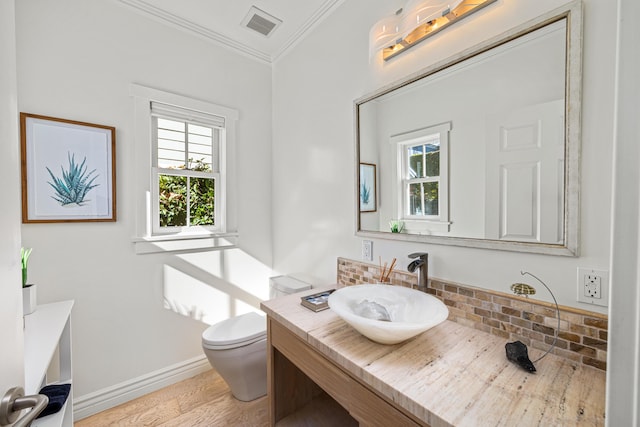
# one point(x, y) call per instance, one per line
point(68, 170)
point(367, 187)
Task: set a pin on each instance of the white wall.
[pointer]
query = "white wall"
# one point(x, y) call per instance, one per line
point(623, 363)
point(314, 189)
point(76, 60)
point(11, 332)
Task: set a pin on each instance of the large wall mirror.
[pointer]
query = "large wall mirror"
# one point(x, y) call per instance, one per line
point(481, 150)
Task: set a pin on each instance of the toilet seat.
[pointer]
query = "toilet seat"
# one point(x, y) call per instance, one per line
point(235, 332)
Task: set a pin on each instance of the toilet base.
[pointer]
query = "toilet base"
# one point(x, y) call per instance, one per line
point(244, 369)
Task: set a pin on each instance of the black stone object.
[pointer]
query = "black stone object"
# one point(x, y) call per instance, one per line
point(517, 353)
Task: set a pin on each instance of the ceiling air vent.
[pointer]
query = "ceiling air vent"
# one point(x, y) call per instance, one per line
point(260, 21)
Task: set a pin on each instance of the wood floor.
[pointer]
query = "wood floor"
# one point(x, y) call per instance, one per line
point(204, 400)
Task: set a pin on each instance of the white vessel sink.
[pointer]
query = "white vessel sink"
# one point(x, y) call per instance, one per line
point(410, 312)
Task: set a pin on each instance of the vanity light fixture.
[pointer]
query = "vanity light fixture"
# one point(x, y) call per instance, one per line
point(417, 21)
point(516, 350)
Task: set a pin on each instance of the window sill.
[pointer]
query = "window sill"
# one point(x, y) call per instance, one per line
point(184, 242)
point(426, 226)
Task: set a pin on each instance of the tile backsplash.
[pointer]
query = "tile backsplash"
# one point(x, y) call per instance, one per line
point(582, 337)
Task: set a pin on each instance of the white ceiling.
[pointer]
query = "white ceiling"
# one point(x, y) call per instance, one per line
point(220, 21)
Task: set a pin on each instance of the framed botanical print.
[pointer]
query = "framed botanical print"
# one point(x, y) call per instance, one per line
point(68, 170)
point(367, 188)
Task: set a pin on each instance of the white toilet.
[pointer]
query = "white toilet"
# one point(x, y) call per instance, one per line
point(237, 347)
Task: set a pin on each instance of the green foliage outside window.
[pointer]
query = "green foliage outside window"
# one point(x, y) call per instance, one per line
point(432, 167)
point(431, 198)
point(174, 203)
point(433, 163)
point(427, 191)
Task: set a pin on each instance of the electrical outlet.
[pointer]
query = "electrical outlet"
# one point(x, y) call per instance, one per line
point(593, 286)
point(367, 250)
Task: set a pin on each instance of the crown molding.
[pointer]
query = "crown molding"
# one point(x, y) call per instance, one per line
point(320, 15)
point(184, 24)
point(175, 21)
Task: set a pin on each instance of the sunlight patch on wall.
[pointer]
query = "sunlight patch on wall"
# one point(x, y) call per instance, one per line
point(190, 297)
point(236, 268)
point(212, 286)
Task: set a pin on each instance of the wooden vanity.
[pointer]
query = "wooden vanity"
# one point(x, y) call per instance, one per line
point(321, 369)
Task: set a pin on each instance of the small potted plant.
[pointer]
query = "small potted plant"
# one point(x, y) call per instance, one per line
point(396, 226)
point(28, 290)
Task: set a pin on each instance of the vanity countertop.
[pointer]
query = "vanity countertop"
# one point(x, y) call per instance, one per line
point(452, 375)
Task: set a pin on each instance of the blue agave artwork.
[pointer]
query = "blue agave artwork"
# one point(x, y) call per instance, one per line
point(365, 193)
point(74, 184)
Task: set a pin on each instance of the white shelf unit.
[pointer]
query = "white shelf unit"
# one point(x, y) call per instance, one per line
point(47, 332)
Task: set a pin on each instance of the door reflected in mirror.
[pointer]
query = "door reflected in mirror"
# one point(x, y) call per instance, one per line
point(483, 151)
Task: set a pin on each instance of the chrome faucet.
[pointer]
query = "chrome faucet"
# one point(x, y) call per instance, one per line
point(421, 262)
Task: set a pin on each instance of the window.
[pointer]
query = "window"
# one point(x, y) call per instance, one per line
point(186, 169)
point(182, 147)
point(423, 178)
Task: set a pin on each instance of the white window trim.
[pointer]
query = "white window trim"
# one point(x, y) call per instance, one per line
point(197, 238)
point(439, 223)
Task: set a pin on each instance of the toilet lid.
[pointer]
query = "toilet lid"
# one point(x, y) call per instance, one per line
point(242, 329)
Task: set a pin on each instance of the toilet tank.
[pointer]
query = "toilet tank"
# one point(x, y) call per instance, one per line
point(285, 285)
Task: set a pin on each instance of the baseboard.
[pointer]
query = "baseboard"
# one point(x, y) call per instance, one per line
point(98, 401)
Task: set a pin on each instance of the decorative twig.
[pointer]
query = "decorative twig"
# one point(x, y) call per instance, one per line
point(393, 264)
point(384, 273)
point(384, 268)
